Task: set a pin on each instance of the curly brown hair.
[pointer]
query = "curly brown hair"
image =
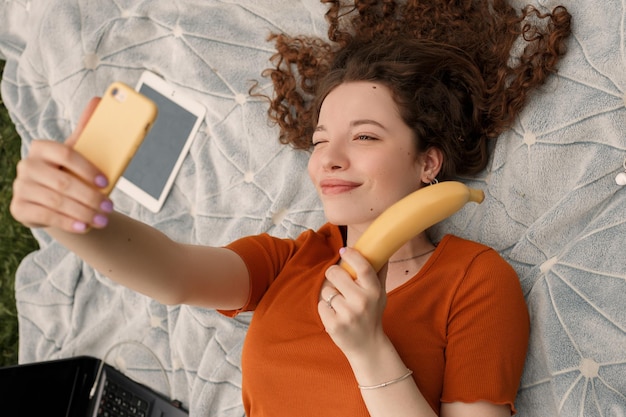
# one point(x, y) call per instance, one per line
point(459, 71)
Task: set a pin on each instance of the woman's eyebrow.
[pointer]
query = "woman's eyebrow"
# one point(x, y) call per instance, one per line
point(355, 123)
point(360, 122)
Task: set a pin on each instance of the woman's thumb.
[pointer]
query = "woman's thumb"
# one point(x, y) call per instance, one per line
point(84, 118)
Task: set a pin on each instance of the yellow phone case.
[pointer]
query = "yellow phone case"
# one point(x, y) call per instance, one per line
point(115, 130)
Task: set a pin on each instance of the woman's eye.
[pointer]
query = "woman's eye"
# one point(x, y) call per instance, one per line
point(365, 137)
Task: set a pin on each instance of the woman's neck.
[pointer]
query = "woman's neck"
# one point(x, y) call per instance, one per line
point(408, 261)
point(410, 249)
point(405, 262)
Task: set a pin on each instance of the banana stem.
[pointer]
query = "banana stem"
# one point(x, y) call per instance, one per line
point(476, 195)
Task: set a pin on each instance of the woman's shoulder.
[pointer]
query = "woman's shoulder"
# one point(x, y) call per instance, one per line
point(474, 257)
point(327, 237)
point(452, 243)
point(328, 234)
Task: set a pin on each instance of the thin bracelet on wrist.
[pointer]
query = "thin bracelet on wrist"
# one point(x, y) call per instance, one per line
point(384, 384)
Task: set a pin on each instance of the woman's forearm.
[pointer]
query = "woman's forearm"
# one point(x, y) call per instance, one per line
point(144, 259)
point(127, 251)
point(386, 385)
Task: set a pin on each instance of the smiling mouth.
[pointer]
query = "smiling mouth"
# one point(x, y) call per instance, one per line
point(334, 187)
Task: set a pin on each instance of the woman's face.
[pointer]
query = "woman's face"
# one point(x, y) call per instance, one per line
point(364, 157)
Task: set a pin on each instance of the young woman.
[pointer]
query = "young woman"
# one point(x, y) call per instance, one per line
point(442, 330)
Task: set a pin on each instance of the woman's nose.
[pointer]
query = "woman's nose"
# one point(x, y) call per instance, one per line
point(335, 156)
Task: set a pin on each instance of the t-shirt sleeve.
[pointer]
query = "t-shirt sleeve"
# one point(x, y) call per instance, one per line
point(264, 257)
point(488, 330)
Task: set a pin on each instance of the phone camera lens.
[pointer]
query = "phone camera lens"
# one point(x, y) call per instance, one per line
point(119, 95)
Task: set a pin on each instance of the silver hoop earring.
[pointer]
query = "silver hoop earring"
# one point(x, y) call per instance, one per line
point(434, 181)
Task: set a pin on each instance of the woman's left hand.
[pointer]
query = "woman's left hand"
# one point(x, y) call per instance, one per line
point(351, 309)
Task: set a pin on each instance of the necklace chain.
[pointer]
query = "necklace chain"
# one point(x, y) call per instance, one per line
point(412, 257)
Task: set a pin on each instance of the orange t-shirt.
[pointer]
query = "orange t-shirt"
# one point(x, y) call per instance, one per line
point(461, 324)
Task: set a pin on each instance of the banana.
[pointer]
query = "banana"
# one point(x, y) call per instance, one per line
point(410, 216)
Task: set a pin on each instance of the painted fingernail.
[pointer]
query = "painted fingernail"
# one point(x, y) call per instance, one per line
point(106, 206)
point(342, 251)
point(79, 226)
point(101, 181)
point(100, 220)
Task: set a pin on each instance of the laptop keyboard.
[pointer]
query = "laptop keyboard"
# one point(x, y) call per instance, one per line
point(119, 402)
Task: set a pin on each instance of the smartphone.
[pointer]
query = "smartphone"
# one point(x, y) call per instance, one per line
point(115, 130)
point(150, 175)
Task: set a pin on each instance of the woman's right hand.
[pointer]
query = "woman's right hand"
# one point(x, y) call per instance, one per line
point(57, 187)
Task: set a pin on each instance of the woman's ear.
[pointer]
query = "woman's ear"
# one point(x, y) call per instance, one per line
point(432, 161)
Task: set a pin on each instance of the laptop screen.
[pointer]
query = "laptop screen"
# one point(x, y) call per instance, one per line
point(62, 387)
point(56, 388)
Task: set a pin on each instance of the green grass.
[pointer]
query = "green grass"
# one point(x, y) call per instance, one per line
point(15, 240)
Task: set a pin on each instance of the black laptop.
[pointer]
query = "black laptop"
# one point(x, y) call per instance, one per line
point(68, 388)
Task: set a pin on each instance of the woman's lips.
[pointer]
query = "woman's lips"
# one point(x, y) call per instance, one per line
point(336, 186)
